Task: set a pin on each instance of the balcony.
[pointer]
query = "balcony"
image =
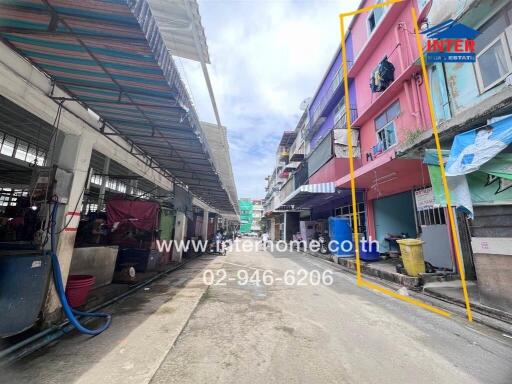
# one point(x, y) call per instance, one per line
point(297, 155)
point(321, 154)
point(341, 123)
point(283, 154)
point(292, 166)
point(328, 101)
point(389, 94)
point(284, 175)
point(297, 151)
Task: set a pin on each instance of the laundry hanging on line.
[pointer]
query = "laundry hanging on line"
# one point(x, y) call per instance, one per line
point(383, 76)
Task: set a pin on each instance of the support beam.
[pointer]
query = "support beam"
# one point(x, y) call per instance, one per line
point(103, 187)
point(204, 228)
point(180, 229)
point(74, 156)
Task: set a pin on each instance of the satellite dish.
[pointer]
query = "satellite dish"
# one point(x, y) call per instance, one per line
point(305, 103)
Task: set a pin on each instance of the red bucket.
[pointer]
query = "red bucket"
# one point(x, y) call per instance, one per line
point(77, 289)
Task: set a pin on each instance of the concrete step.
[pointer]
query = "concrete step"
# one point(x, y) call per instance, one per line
point(381, 269)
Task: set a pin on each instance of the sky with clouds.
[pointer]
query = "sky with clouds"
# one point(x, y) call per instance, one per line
point(267, 56)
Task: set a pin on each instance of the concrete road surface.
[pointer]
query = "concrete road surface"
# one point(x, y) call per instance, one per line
point(292, 327)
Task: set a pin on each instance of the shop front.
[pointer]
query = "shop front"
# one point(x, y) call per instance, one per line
point(480, 179)
point(316, 203)
point(388, 184)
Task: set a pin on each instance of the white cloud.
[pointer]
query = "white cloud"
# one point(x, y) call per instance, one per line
point(267, 56)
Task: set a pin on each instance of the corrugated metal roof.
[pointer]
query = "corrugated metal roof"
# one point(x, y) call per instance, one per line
point(218, 142)
point(110, 56)
point(179, 23)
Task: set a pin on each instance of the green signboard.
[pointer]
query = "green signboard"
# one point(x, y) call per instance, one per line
point(492, 183)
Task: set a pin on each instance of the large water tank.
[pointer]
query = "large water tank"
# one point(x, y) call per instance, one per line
point(24, 279)
point(341, 236)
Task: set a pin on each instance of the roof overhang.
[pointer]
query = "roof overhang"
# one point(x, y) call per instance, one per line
point(180, 26)
point(111, 57)
point(301, 195)
point(217, 139)
point(287, 138)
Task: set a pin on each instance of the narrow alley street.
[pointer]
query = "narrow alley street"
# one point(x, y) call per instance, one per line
point(182, 331)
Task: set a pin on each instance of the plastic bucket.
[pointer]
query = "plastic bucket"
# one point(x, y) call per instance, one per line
point(77, 289)
point(412, 256)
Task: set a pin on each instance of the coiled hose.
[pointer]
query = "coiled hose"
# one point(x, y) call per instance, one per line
point(57, 277)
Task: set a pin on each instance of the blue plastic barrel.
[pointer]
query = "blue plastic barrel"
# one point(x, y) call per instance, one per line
point(341, 236)
point(368, 251)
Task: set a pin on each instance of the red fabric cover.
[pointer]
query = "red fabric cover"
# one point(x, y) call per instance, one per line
point(142, 215)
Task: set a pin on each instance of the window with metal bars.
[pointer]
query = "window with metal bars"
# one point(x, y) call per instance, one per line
point(9, 197)
point(19, 149)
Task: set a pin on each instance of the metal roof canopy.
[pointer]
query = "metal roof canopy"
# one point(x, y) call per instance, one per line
point(218, 142)
point(288, 138)
point(308, 191)
point(110, 56)
point(177, 27)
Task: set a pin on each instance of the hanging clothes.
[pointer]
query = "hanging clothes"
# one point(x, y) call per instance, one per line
point(383, 76)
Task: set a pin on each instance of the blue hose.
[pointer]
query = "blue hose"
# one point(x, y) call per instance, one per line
point(57, 277)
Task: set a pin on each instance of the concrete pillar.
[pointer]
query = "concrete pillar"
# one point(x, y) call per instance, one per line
point(285, 233)
point(204, 228)
point(273, 229)
point(215, 223)
point(103, 187)
point(75, 156)
point(180, 229)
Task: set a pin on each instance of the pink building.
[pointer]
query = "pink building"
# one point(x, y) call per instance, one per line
point(392, 109)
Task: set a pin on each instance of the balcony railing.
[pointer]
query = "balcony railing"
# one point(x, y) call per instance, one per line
point(297, 150)
point(321, 153)
point(284, 175)
point(341, 123)
point(319, 111)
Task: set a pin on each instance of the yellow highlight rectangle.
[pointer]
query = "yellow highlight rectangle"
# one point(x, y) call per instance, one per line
point(360, 280)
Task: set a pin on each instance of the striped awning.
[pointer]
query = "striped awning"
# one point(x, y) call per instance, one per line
point(110, 56)
point(307, 191)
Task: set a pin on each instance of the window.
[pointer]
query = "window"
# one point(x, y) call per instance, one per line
point(493, 64)
point(91, 208)
point(338, 112)
point(96, 179)
point(346, 211)
point(375, 17)
point(8, 145)
point(21, 150)
point(439, 92)
point(9, 197)
point(493, 61)
point(385, 126)
point(31, 154)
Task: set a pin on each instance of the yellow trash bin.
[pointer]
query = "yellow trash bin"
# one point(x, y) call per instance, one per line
point(412, 256)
